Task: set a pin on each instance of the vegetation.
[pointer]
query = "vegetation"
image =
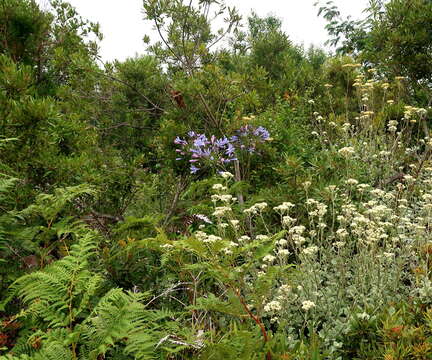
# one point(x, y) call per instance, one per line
point(227, 194)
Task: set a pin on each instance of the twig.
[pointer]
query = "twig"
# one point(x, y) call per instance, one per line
point(123, 124)
point(180, 187)
point(146, 98)
point(169, 290)
point(256, 319)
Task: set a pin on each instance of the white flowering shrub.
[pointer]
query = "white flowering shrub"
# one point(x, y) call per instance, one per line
point(303, 277)
point(349, 258)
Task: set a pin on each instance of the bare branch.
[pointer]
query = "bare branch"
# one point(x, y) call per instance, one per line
point(124, 124)
point(146, 98)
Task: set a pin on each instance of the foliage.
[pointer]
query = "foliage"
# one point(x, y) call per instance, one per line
point(319, 248)
point(76, 318)
point(394, 36)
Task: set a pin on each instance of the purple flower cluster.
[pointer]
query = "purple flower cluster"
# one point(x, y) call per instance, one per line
point(219, 151)
point(248, 136)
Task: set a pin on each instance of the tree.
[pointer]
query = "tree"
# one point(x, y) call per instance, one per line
point(394, 36)
point(401, 40)
point(186, 47)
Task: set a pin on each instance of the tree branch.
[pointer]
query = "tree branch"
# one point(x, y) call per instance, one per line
point(146, 98)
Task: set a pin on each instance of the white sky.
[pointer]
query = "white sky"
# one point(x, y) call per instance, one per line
point(123, 27)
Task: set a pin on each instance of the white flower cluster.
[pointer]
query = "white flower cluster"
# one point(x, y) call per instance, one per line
point(351, 182)
point(288, 221)
point(307, 305)
point(269, 258)
point(226, 198)
point(212, 239)
point(411, 111)
point(362, 187)
point(244, 238)
point(346, 126)
point(226, 175)
point(234, 223)
point(310, 251)
point(221, 211)
point(282, 242)
point(298, 239)
point(283, 252)
point(201, 235)
point(284, 207)
point(392, 126)
point(219, 187)
point(285, 289)
point(255, 209)
point(273, 306)
point(298, 230)
point(341, 233)
point(320, 208)
point(347, 152)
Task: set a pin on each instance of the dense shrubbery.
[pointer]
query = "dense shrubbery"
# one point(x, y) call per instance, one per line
point(205, 203)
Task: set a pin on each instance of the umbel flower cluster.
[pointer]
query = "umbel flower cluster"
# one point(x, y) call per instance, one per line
point(201, 150)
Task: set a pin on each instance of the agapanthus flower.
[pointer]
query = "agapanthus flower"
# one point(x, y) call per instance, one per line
point(203, 150)
point(222, 142)
point(230, 149)
point(262, 133)
point(179, 141)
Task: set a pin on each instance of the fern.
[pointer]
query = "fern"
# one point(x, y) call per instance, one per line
point(147, 330)
point(49, 206)
point(10, 244)
point(109, 322)
point(61, 300)
point(57, 299)
point(6, 184)
point(51, 294)
point(22, 232)
point(121, 317)
point(47, 345)
point(67, 300)
point(54, 351)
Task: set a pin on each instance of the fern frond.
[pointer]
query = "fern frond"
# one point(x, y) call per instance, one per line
point(6, 185)
point(54, 350)
point(148, 328)
point(50, 294)
point(51, 345)
point(13, 357)
point(50, 205)
point(109, 323)
point(121, 318)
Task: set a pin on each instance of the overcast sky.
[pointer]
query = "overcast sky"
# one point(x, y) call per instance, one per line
point(123, 26)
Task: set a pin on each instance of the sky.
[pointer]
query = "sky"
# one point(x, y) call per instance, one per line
point(123, 26)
